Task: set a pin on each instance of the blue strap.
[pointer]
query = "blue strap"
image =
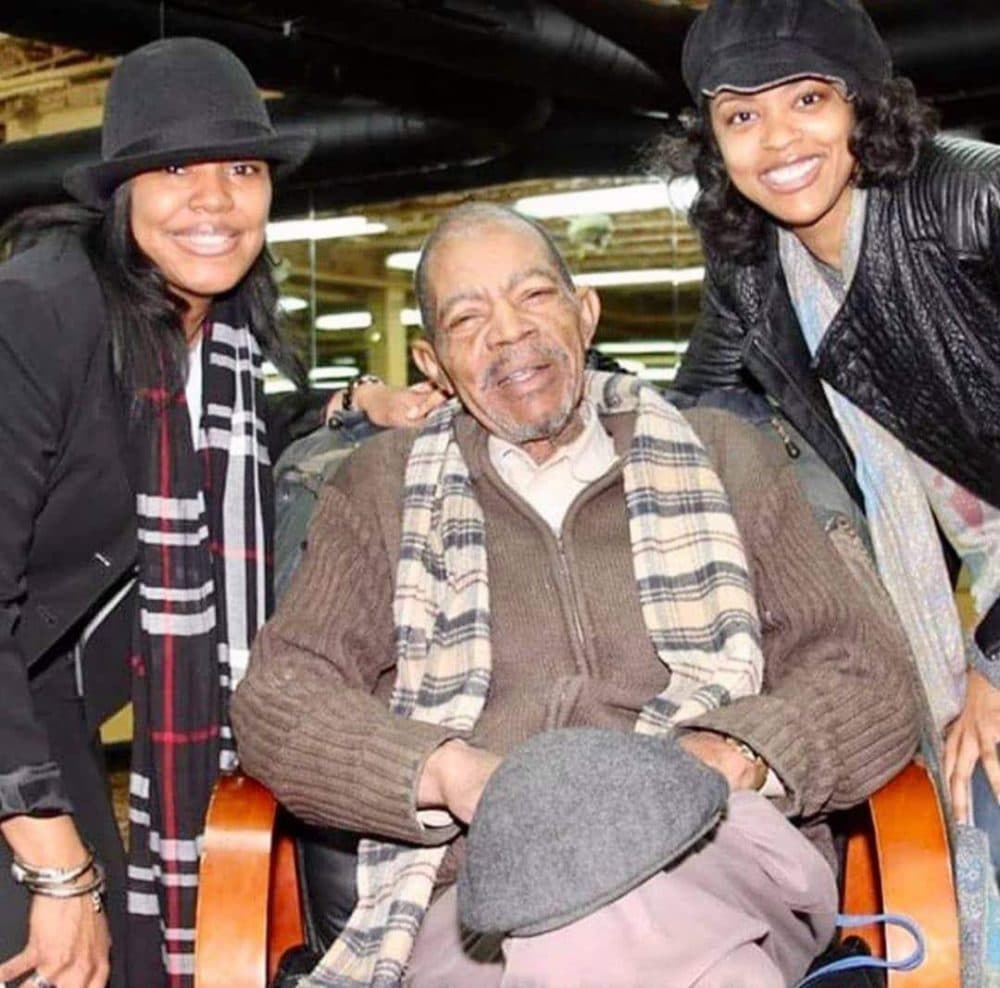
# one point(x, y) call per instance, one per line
point(861, 960)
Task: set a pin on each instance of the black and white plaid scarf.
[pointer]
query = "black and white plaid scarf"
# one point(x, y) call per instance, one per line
point(204, 590)
point(697, 602)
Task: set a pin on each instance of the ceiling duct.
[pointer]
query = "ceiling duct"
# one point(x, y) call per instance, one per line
point(365, 152)
point(353, 139)
point(435, 48)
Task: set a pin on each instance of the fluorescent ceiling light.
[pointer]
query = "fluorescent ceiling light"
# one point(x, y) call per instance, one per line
point(324, 229)
point(677, 194)
point(278, 385)
point(638, 346)
point(410, 317)
point(615, 199)
point(642, 276)
point(659, 374)
point(345, 320)
point(681, 192)
point(631, 366)
point(403, 260)
point(292, 303)
point(336, 373)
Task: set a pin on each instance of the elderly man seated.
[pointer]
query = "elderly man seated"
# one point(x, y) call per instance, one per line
point(560, 548)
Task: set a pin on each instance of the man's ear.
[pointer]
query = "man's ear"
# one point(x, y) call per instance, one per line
point(590, 313)
point(426, 359)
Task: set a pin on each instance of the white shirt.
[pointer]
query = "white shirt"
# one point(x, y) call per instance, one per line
point(551, 487)
point(193, 388)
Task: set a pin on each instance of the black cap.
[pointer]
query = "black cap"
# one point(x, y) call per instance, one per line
point(748, 45)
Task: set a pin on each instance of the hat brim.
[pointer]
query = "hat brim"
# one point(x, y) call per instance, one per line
point(94, 184)
point(576, 817)
point(751, 69)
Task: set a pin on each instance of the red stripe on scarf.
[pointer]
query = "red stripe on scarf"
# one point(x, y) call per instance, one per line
point(186, 737)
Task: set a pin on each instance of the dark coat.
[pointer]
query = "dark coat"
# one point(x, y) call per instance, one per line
point(916, 344)
point(67, 521)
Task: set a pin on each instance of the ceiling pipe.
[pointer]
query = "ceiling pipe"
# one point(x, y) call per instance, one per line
point(356, 138)
point(368, 154)
point(427, 52)
point(531, 42)
point(575, 143)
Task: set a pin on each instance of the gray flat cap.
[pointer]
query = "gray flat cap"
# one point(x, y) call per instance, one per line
point(575, 818)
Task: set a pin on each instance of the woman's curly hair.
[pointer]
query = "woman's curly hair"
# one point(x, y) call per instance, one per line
point(891, 126)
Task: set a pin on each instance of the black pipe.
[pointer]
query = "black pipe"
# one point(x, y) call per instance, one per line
point(435, 47)
point(576, 142)
point(354, 138)
point(526, 41)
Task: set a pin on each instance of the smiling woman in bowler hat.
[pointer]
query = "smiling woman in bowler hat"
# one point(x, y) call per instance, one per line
point(852, 278)
point(135, 510)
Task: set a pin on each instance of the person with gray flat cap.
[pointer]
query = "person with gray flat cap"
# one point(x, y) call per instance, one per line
point(557, 551)
point(135, 510)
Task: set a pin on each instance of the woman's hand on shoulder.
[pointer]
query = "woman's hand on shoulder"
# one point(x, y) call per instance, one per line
point(398, 407)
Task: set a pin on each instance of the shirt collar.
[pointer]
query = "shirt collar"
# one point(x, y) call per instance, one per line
point(589, 455)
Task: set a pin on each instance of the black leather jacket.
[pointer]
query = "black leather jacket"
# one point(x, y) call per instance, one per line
point(916, 344)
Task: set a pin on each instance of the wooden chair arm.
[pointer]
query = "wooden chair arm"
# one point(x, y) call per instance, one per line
point(902, 864)
point(248, 906)
point(898, 860)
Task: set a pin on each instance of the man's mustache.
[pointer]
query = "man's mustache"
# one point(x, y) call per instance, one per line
point(527, 357)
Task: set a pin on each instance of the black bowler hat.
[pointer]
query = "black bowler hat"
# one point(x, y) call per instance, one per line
point(177, 101)
point(749, 45)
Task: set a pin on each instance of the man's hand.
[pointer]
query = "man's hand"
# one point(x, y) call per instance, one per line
point(972, 737)
point(397, 407)
point(454, 777)
point(68, 944)
point(716, 752)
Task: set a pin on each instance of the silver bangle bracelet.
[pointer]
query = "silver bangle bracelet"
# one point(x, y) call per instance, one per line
point(31, 875)
point(93, 888)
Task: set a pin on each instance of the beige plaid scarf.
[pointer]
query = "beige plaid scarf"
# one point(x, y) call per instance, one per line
point(696, 599)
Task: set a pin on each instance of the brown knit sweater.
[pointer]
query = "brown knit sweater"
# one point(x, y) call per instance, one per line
point(836, 718)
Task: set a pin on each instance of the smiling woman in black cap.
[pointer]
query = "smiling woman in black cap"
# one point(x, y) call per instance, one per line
point(131, 404)
point(852, 278)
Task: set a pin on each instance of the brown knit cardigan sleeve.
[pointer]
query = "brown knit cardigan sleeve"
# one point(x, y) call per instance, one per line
point(306, 718)
point(838, 715)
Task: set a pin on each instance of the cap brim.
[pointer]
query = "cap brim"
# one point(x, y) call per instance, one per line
point(94, 184)
point(752, 70)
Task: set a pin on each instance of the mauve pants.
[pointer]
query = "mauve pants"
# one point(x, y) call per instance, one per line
point(751, 908)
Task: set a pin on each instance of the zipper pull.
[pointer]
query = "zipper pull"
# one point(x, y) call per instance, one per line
point(791, 448)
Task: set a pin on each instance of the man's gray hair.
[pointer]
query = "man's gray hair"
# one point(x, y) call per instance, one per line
point(461, 220)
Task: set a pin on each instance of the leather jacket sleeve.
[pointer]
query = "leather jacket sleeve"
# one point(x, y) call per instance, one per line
point(987, 641)
point(714, 357)
point(30, 428)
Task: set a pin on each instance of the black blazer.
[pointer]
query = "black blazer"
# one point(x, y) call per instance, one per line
point(67, 520)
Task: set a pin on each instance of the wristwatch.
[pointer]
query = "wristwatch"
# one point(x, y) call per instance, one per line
point(751, 756)
point(347, 402)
